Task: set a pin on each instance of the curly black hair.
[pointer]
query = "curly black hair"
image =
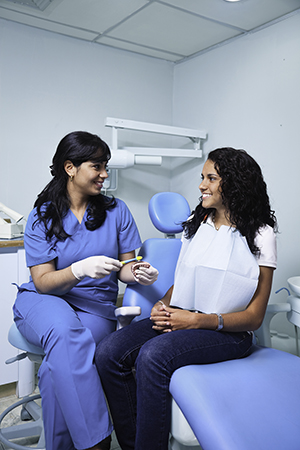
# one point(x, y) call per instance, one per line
point(244, 194)
point(53, 202)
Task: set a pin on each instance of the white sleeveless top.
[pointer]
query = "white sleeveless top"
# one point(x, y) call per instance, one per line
point(216, 271)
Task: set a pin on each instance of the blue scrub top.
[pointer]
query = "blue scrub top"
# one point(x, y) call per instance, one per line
point(118, 234)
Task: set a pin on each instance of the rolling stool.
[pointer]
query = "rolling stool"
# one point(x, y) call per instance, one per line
point(30, 409)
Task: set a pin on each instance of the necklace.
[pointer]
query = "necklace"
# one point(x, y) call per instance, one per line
point(214, 222)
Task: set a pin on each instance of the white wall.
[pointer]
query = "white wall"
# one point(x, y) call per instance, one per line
point(51, 85)
point(246, 94)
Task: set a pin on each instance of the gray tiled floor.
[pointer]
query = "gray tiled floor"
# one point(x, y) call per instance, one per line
point(14, 418)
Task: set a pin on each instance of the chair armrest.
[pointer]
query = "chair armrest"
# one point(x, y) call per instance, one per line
point(125, 314)
point(263, 333)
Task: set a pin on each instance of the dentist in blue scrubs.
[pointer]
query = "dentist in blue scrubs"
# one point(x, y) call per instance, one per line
point(75, 239)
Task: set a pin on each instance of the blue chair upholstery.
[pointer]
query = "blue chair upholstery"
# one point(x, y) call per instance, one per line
point(167, 210)
point(245, 404)
point(16, 339)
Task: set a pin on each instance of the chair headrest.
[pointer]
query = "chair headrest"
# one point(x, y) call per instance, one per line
point(168, 210)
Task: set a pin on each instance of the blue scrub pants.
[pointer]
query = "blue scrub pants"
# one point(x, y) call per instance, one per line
point(140, 403)
point(75, 414)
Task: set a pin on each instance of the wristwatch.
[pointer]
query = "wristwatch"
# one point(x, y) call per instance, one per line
point(220, 322)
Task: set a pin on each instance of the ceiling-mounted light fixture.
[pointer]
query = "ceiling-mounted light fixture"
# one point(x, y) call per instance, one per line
point(232, 0)
point(36, 4)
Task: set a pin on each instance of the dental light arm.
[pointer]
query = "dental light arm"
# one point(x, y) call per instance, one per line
point(131, 156)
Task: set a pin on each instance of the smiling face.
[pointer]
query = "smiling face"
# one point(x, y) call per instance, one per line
point(87, 179)
point(90, 177)
point(210, 187)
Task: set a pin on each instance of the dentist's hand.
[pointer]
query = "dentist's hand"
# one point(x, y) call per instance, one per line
point(144, 273)
point(95, 267)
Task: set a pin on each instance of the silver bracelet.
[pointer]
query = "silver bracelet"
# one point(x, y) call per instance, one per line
point(220, 322)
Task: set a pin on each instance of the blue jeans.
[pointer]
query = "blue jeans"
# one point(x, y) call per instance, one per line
point(139, 401)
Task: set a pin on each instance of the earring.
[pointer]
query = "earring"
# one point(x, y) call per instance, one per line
point(71, 178)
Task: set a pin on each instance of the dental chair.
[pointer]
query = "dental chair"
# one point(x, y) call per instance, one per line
point(167, 210)
point(245, 404)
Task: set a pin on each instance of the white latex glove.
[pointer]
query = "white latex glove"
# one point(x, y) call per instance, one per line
point(144, 273)
point(95, 267)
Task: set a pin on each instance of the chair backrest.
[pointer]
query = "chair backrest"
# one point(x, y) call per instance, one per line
point(167, 211)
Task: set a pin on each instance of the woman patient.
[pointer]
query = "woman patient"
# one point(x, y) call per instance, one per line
point(222, 285)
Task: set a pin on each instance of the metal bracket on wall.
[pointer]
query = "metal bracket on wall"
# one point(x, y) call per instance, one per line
point(129, 156)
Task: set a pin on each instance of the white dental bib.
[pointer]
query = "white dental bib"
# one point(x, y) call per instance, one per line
point(215, 272)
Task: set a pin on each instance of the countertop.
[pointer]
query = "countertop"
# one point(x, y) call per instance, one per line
point(16, 242)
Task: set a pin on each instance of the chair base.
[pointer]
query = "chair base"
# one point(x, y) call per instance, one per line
point(182, 436)
point(34, 428)
point(176, 445)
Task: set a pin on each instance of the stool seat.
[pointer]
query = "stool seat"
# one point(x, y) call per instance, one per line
point(17, 340)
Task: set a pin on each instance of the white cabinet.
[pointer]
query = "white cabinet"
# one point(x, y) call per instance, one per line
point(12, 270)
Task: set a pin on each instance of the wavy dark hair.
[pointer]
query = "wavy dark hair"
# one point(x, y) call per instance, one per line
point(53, 202)
point(244, 194)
